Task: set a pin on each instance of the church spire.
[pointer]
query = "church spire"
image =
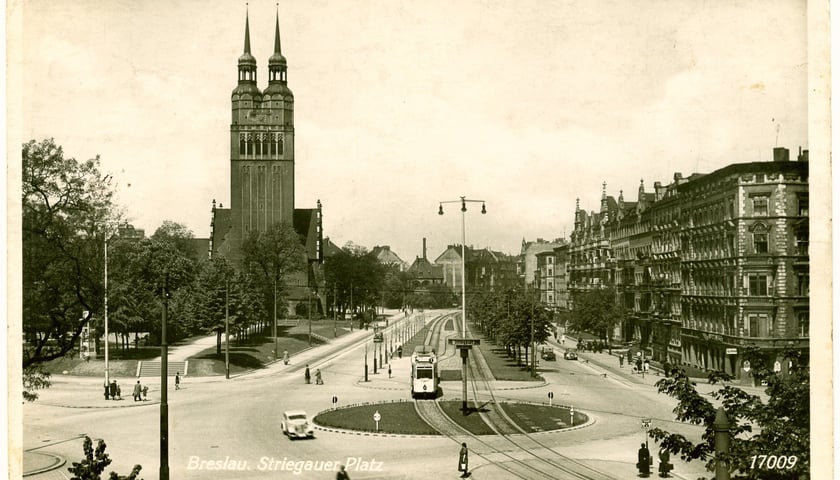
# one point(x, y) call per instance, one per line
point(247, 62)
point(277, 62)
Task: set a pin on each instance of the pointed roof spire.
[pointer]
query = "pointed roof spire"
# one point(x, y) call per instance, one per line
point(247, 32)
point(277, 31)
point(246, 57)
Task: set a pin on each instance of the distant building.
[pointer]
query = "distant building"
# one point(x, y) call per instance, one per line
point(707, 265)
point(527, 262)
point(423, 272)
point(551, 278)
point(485, 268)
point(389, 258)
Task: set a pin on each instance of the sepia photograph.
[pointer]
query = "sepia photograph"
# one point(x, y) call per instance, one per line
point(488, 239)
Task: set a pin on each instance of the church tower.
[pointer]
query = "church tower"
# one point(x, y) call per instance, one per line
point(262, 154)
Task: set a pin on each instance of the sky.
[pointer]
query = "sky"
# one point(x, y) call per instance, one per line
point(400, 105)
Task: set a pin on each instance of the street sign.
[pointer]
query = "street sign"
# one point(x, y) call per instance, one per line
point(377, 338)
point(746, 365)
point(550, 398)
point(334, 399)
point(646, 423)
point(777, 367)
point(732, 351)
point(376, 418)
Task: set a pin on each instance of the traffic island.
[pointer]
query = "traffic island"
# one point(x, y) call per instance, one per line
point(401, 418)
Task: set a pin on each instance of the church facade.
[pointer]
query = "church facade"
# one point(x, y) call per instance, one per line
point(262, 171)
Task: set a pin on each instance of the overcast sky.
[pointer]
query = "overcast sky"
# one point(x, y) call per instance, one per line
point(400, 105)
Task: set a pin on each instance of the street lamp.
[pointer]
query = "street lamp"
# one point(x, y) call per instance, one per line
point(463, 344)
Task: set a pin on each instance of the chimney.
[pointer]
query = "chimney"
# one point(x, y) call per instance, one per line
point(803, 155)
point(781, 154)
point(424, 248)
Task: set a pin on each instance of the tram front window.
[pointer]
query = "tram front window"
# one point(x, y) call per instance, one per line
point(424, 373)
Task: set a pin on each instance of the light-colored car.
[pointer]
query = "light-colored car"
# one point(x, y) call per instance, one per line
point(570, 355)
point(295, 424)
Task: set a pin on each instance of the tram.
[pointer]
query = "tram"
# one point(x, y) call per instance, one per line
point(424, 374)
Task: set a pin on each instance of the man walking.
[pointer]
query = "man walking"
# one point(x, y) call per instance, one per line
point(138, 390)
point(177, 380)
point(306, 376)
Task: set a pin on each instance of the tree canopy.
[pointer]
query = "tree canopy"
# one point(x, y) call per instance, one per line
point(596, 311)
point(67, 207)
point(778, 426)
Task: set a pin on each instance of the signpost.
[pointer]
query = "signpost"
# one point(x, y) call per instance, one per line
point(550, 398)
point(334, 400)
point(747, 366)
point(572, 415)
point(646, 422)
point(464, 345)
point(732, 351)
point(376, 418)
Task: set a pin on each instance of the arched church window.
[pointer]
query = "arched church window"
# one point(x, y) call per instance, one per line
point(280, 144)
point(265, 143)
point(250, 144)
point(242, 144)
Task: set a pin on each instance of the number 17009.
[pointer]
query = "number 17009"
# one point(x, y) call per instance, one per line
point(774, 462)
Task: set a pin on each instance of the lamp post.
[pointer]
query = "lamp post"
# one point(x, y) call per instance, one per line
point(274, 328)
point(107, 379)
point(464, 344)
point(164, 405)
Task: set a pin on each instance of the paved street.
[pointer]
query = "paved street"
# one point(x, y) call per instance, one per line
point(234, 423)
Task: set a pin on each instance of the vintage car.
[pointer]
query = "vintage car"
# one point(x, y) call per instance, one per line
point(548, 354)
point(570, 355)
point(296, 425)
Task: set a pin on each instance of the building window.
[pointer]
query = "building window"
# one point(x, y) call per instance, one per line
point(758, 285)
point(802, 242)
point(803, 205)
point(760, 241)
point(755, 325)
point(760, 205)
point(803, 323)
point(803, 284)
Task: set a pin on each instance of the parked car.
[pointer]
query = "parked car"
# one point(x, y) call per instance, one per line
point(548, 354)
point(570, 355)
point(295, 424)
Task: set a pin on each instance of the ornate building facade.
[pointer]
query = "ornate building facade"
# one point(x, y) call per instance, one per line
point(707, 265)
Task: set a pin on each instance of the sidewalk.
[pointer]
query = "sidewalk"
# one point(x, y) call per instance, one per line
point(610, 363)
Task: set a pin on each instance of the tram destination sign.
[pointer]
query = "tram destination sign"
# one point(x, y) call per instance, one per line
point(464, 342)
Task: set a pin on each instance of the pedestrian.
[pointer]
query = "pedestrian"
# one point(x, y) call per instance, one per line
point(177, 380)
point(112, 389)
point(664, 462)
point(285, 357)
point(318, 380)
point(306, 376)
point(119, 392)
point(342, 474)
point(562, 339)
point(106, 392)
point(138, 390)
point(621, 361)
point(399, 351)
point(389, 370)
point(463, 461)
point(145, 391)
point(644, 461)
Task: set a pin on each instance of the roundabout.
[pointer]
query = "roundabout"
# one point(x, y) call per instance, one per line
point(401, 418)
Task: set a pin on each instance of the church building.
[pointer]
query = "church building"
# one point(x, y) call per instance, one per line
point(262, 170)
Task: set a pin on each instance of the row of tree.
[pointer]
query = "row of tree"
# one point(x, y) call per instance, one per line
point(512, 318)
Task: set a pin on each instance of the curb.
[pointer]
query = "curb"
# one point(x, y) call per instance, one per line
point(127, 405)
point(59, 462)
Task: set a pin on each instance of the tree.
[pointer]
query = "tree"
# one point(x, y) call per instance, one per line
point(597, 312)
point(354, 271)
point(270, 258)
point(780, 426)
point(66, 206)
point(94, 463)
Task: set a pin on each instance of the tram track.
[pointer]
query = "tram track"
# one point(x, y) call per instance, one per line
point(511, 449)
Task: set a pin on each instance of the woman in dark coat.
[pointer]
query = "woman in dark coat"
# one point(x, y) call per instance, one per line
point(463, 461)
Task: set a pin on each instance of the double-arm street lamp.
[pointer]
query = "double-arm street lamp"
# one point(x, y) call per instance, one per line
point(464, 344)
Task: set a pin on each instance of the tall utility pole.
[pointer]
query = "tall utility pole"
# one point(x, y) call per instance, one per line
point(107, 377)
point(309, 313)
point(227, 334)
point(464, 344)
point(164, 406)
point(274, 331)
point(335, 319)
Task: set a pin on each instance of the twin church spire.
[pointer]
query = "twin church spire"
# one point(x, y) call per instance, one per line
point(276, 63)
